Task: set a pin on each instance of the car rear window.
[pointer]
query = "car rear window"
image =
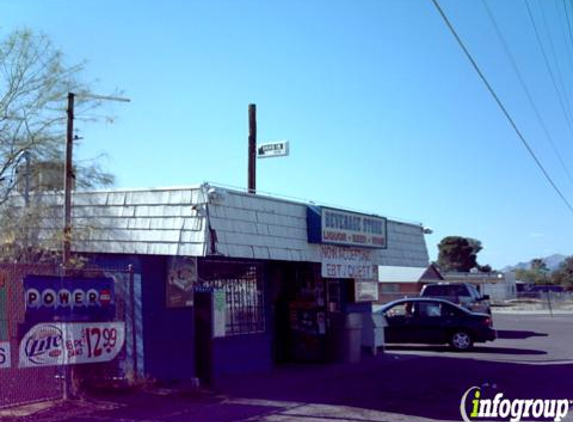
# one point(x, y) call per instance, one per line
point(460, 291)
point(434, 291)
point(474, 292)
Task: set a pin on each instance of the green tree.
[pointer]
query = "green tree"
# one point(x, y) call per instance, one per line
point(34, 82)
point(538, 264)
point(457, 253)
point(564, 274)
point(537, 273)
point(484, 268)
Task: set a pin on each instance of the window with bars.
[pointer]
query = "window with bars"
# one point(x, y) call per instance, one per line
point(242, 284)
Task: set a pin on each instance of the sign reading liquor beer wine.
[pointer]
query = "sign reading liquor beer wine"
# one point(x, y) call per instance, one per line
point(50, 298)
point(52, 344)
point(337, 227)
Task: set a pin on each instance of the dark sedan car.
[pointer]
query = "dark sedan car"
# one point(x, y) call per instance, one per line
point(435, 321)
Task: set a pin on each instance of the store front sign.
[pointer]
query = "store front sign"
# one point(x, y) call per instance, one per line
point(3, 308)
point(337, 262)
point(52, 298)
point(5, 354)
point(53, 344)
point(366, 291)
point(332, 226)
point(181, 278)
point(219, 313)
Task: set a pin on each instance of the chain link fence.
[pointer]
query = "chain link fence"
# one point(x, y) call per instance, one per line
point(544, 301)
point(18, 386)
point(23, 384)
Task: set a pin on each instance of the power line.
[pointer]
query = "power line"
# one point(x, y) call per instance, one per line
point(546, 60)
point(569, 32)
point(526, 90)
point(501, 106)
point(556, 61)
point(568, 25)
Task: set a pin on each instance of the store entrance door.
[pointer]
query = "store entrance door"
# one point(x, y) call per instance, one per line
point(203, 301)
point(308, 315)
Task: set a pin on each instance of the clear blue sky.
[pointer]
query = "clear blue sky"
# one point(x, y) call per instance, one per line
point(383, 112)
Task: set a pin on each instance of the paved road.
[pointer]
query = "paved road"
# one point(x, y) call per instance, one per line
point(532, 359)
point(523, 338)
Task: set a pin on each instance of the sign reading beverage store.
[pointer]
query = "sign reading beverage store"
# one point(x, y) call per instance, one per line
point(337, 227)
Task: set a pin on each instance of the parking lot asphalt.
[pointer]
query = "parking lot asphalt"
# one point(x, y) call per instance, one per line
point(522, 338)
point(531, 359)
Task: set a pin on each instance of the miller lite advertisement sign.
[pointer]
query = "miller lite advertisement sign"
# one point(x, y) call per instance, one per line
point(68, 299)
point(70, 343)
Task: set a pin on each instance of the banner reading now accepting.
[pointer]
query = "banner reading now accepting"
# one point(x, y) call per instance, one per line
point(338, 262)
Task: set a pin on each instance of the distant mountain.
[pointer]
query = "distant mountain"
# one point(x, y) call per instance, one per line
point(552, 262)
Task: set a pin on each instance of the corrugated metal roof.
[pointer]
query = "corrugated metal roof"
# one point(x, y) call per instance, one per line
point(254, 226)
point(167, 221)
point(175, 221)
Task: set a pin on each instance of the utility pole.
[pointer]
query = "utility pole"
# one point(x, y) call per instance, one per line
point(27, 179)
point(252, 148)
point(69, 171)
point(68, 182)
point(68, 388)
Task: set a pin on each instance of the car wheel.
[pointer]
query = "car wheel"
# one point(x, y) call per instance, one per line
point(460, 340)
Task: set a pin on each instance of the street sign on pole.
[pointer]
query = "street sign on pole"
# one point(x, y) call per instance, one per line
point(273, 149)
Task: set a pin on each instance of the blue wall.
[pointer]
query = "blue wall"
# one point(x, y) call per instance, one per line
point(242, 354)
point(168, 333)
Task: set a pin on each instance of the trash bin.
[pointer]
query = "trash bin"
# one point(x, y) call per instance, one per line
point(345, 337)
point(334, 337)
point(352, 339)
point(373, 331)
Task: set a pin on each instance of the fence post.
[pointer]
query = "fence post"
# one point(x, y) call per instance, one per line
point(68, 387)
point(133, 327)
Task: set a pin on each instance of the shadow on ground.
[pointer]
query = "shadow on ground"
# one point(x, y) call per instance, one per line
point(421, 386)
point(518, 335)
point(388, 388)
point(476, 349)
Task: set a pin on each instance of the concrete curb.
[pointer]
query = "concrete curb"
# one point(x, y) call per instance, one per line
point(531, 311)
